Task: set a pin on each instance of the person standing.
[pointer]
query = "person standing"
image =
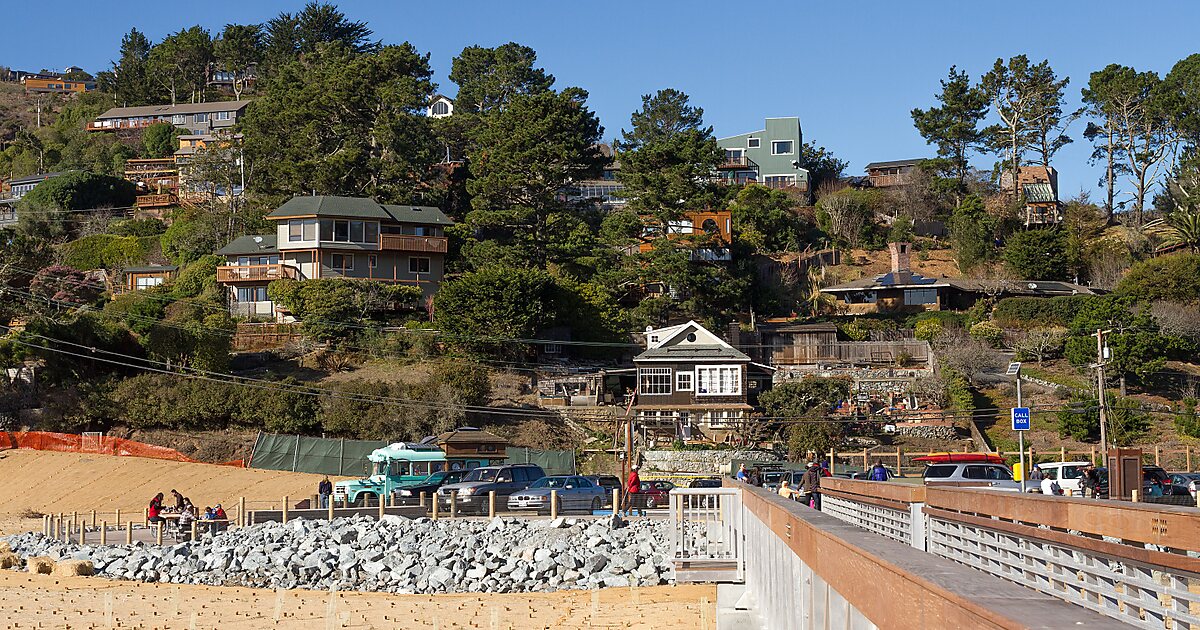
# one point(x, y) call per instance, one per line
point(633, 485)
point(878, 472)
point(325, 490)
point(810, 484)
point(741, 473)
point(179, 500)
point(1090, 482)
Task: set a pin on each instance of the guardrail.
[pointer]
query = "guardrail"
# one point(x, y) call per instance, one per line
point(1134, 562)
point(706, 534)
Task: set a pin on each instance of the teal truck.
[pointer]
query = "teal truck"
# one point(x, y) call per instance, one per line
point(397, 465)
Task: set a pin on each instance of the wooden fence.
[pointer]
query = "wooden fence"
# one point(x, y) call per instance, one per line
point(856, 352)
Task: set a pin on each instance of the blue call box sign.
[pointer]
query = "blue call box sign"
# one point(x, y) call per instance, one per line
point(1020, 418)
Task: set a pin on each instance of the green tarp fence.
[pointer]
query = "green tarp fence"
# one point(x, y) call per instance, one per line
point(553, 462)
point(324, 456)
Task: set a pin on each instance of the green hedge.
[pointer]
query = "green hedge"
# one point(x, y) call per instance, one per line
point(1033, 311)
point(100, 251)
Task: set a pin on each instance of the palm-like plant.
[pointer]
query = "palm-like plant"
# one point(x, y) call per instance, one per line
point(1183, 229)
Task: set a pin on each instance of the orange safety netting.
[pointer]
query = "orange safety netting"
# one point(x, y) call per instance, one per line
point(98, 444)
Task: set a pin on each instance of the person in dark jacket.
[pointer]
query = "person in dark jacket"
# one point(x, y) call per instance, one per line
point(878, 472)
point(325, 490)
point(810, 484)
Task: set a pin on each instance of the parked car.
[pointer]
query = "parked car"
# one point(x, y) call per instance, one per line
point(609, 483)
point(656, 493)
point(705, 483)
point(1068, 475)
point(471, 494)
point(410, 494)
point(1156, 488)
point(571, 492)
point(1188, 479)
point(770, 479)
point(971, 475)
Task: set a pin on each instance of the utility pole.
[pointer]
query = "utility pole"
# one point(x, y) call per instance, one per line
point(1101, 393)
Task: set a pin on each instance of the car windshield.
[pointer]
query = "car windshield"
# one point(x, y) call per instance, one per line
point(436, 477)
point(481, 474)
point(549, 482)
point(772, 476)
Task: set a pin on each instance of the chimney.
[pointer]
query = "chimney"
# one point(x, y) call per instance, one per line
point(900, 253)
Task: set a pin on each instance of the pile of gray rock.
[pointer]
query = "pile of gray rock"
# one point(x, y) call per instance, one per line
point(395, 555)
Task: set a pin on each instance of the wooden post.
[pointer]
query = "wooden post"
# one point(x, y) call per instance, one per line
point(103, 532)
point(316, 501)
point(118, 519)
point(45, 527)
point(435, 505)
point(93, 518)
point(242, 511)
point(82, 532)
point(1093, 456)
point(145, 517)
point(193, 530)
point(158, 534)
point(285, 507)
point(1062, 454)
point(899, 461)
point(346, 500)
point(616, 500)
point(1187, 453)
point(453, 506)
point(1134, 495)
point(422, 499)
point(129, 533)
point(832, 460)
point(491, 504)
point(74, 519)
point(1157, 461)
point(554, 504)
point(381, 506)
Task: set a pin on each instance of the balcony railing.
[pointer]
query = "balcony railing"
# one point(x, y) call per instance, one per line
point(737, 161)
point(252, 273)
point(408, 243)
point(114, 125)
point(155, 201)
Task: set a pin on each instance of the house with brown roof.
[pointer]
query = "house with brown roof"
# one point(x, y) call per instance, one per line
point(892, 173)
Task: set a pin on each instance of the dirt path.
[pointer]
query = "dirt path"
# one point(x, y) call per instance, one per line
point(51, 482)
point(32, 601)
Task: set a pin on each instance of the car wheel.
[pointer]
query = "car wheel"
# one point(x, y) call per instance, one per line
point(651, 503)
point(596, 504)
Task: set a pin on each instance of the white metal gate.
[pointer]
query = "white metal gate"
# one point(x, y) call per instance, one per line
point(707, 538)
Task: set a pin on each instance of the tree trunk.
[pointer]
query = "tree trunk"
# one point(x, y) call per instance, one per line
point(1124, 391)
point(1110, 178)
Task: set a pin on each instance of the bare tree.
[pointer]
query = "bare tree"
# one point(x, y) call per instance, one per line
point(1039, 343)
point(846, 217)
point(1176, 319)
point(969, 357)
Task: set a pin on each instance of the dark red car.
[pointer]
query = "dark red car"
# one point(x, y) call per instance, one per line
point(655, 493)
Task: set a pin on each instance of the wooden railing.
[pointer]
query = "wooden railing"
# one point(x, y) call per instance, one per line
point(154, 201)
point(247, 273)
point(737, 162)
point(98, 125)
point(408, 243)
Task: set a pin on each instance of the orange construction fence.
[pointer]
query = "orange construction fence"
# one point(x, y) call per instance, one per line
point(95, 443)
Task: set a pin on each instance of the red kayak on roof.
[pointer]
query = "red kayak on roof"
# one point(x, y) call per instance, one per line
point(948, 458)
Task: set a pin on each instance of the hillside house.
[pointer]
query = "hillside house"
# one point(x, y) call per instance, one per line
point(196, 118)
point(893, 173)
point(336, 237)
point(145, 277)
point(1038, 186)
point(769, 156)
point(689, 379)
point(440, 106)
point(711, 231)
point(54, 84)
point(903, 290)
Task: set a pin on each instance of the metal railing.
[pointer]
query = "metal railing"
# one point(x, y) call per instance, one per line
point(707, 530)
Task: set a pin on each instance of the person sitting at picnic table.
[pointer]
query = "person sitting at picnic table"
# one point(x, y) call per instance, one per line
point(209, 518)
point(156, 506)
point(179, 499)
point(186, 517)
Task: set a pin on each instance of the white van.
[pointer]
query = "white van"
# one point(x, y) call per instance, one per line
point(1068, 476)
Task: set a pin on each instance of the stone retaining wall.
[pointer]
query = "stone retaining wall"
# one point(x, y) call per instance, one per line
point(715, 462)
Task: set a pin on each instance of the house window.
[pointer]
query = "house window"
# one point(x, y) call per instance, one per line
point(372, 261)
point(350, 231)
point(252, 294)
point(420, 230)
point(654, 380)
point(418, 265)
point(371, 232)
point(356, 231)
point(199, 118)
point(343, 261)
point(552, 348)
point(781, 147)
point(295, 231)
point(441, 108)
point(179, 119)
point(753, 143)
point(683, 381)
point(779, 181)
point(223, 115)
point(341, 231)
point(144, 282)
point(719, 380)
point(920, 296)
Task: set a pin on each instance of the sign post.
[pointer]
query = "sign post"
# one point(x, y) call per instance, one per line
point(1020, 424)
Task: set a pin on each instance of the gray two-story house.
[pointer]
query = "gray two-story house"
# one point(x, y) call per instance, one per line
point(336, 237)
point(690, 380)
point(196, 118)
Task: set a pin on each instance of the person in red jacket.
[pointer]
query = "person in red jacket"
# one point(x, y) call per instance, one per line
point(632, 486)
point(154, 509)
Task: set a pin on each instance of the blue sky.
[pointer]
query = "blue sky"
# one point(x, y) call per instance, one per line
point(851, 71)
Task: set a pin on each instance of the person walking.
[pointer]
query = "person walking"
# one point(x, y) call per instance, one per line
point(878, 472)
point(325, 490)
point(633, 485)
point(810, 484)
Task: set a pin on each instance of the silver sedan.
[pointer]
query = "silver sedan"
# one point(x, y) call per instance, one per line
point(571, 491)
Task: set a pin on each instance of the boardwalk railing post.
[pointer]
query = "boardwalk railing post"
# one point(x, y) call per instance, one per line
point(118, 525)
point(329, 507)
point(435, 507)
point(453, 505)
point(93, 518)
point(554, 504)
point(193, 530)
point(616, 506)
point(381, 506)
point(422, 499)
point(158, 534)
point(103, 533)
point(82, 532)
point(491, 504)
point(285, 507)
point(129, 533)
point(242, 511)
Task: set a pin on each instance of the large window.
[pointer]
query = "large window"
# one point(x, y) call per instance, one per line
point(302, 230)
point(753, 143)
point(199, 118)
point(339, 231)
point(654, 380)
point(179, 119)
point(779, 181)
point(418, 265)
point(145, 282)
point(244, 261)
point(719, 380)
point(343, 261)
point(441, 108)
point(223, 115)
point(782, 147)
point(920, 296)
point(252, 294)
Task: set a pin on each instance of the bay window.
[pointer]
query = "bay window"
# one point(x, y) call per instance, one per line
point(719, 380)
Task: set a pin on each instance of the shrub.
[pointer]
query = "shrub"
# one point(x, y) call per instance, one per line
point(1037, 255)
point(139, 227)
point(928, 329)
point(1175, 277)
point(101, 251)
point(958, 390)
point(1023, 312)
point(195, 278)
point(1187, 422)
point(988, 332)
